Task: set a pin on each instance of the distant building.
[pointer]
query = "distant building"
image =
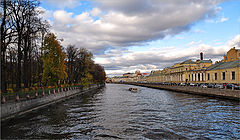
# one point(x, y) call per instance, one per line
point(232, 55)
point(185, 71)
point(189, 71)
point(202, 71)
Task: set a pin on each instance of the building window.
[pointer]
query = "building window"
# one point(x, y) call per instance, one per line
point(199, 77)
point(192, 77)
point(195, 77)
point(215, 76)
point(202, 77)
point(233, 75)
point(208, 76)
point(223, 76)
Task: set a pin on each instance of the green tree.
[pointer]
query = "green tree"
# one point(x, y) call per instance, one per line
point(53, 61)
point(85, 59)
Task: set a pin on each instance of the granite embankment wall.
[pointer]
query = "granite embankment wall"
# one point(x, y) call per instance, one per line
point(15, 108)
point(214, 92)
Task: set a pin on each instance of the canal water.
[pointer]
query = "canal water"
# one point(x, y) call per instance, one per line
point(116, 113)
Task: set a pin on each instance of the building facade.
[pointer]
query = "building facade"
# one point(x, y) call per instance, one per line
point(189, 71)
point(202, 71)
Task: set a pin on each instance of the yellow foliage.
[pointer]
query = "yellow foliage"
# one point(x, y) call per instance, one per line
point(9, 90)
point(26, 89)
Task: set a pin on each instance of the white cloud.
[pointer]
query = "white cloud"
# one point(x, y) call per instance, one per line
point(199, 31)
point(96, 12)
point(62, 17)
point(235, 42)
point(127, 23)
point(64, 3)
point(192, 43)
point(166, 56)
point(219, 20)
point(45, 14)
point(223, 19)
point(180, 37)
point(112, 26)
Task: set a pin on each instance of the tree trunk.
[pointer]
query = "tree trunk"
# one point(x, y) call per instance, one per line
point(3, 50)
point(19, 68)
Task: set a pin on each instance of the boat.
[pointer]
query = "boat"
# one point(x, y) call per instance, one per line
point(133, 89)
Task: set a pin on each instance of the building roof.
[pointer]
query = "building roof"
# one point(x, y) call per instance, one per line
point(188, 62)
point(225, 65)
point(156, 74)
point(206, 61)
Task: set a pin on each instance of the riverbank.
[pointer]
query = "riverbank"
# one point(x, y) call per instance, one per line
point(213, 92)
point(15, 108)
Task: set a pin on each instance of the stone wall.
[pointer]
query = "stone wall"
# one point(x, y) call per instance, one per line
point(215, 92)
point(12, 109)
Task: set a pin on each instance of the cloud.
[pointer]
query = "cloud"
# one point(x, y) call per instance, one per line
point(62, 17)
point(129, 23)
point(194, 43)
point(199, 31)
point(235, 42)
point(166, 56)
point(222, 19)
point(96, 12)
point(64, 3)
point(45, 14)
point(219, 20)
point(110, 27)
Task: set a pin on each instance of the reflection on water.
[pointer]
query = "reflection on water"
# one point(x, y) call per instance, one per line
point(116, 113)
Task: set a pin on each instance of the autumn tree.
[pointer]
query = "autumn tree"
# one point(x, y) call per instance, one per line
point(20, 27)
point(53, 61)
point(72, 53)
point(98, 73)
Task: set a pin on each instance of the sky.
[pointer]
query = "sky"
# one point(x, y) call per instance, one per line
point(145, 35)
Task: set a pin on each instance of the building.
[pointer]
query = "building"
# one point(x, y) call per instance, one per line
point(224, 72)
point(189, 71)
point(202, 71)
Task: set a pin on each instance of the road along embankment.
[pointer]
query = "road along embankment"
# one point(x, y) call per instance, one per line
point(12, 109)
point(213, 92)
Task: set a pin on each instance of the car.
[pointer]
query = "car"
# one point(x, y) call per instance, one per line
point(192, 84)
point(182, 84)
point(237, 87)
point(230, 86)
point(203, 85)
point(219, 86)
point(210, 85)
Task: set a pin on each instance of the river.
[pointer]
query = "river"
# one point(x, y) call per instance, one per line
point(113, 112)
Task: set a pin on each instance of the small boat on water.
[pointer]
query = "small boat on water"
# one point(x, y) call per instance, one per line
point(133, 89)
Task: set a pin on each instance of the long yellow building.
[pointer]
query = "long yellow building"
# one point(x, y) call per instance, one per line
point(202, 71)
point(224, 72)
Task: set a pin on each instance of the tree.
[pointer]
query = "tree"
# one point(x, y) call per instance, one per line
point(53, 61)
point(84, 60)
point(98, 73)
point(72, 53)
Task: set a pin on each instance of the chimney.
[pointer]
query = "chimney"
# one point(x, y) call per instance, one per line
point(201, 56)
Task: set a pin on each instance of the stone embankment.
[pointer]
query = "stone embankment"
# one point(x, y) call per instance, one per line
point(12, 109)
point(214, 92)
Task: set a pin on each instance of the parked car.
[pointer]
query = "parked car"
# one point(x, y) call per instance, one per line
point(237, 87)
point(219, 86)
point(192, 84)
point(182, 84)
point(203, 86)
point(229, 86)
point(210, 85)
